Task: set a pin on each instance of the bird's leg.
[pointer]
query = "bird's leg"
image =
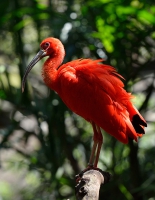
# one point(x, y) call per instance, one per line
point(91, 159)
point(92, 156)
point(96, 145)
point(100, 141)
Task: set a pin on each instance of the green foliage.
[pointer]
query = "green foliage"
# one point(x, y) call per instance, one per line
point(39, 136)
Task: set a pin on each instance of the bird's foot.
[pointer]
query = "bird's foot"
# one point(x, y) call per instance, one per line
point(89, 167)
point(106, 175)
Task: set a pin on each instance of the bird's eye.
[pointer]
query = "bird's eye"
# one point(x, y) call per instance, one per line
point(46, 45)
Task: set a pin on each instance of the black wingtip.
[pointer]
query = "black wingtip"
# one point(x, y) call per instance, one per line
point(137, 123)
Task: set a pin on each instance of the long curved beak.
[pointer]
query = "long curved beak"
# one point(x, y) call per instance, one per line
point(38, 57)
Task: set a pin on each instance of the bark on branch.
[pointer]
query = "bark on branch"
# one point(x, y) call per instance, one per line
point(89, 182)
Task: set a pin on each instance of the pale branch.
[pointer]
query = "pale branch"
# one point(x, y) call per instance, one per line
point(89, 182)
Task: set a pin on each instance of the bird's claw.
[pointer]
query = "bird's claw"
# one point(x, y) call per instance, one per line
point(106, 175)
point(90, 167)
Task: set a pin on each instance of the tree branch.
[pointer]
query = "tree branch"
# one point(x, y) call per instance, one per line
point(89, 182)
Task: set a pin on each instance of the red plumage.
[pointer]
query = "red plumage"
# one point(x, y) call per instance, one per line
point(94, 91)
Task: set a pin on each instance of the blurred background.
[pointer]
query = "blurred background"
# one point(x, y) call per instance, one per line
point(43, 145)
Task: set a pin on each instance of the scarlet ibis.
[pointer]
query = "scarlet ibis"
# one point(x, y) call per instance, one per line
point(92, 90)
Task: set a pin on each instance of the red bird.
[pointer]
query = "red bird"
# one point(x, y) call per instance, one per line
point(92, 90)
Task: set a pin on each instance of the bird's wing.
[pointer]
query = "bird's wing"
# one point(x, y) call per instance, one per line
point(95, 92)
point(105, 77)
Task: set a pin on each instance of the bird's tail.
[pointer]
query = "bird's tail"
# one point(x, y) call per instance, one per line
point(137, 120)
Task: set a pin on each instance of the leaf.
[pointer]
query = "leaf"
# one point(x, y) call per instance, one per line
point(146, 17)
point(122, 10)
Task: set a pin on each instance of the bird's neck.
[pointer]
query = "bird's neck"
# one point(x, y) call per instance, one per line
point(50, 70)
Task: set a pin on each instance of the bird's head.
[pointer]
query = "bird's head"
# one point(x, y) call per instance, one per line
point(51, 47)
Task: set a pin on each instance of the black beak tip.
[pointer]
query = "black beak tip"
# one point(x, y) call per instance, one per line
point(39, 56)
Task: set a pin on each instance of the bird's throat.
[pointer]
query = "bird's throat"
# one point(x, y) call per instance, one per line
point(50, 71)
